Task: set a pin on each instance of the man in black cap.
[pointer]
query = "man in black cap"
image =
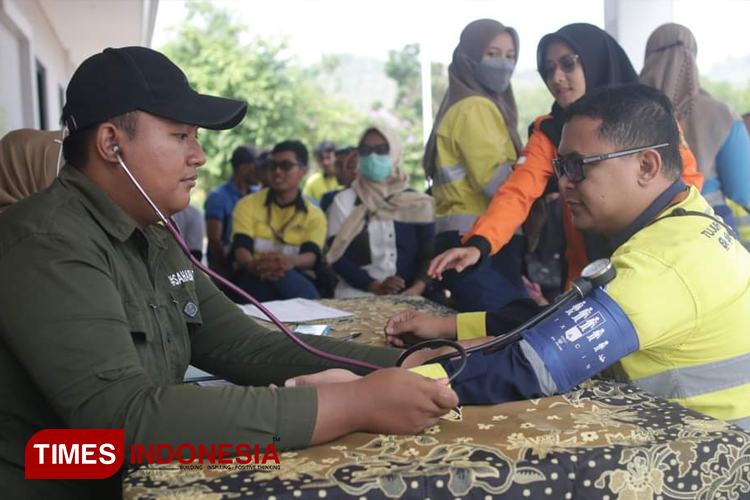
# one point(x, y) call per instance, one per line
point(101, 312)
point(221, 202)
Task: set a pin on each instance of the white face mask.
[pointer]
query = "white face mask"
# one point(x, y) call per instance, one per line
point(494, 74)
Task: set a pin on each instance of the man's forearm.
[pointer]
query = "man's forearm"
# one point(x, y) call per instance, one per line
point(216, 247)
point(304, 260)
point(339, 412)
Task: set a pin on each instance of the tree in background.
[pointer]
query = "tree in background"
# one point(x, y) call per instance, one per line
point(738, 98)
point(284, 101)
point(404, 68)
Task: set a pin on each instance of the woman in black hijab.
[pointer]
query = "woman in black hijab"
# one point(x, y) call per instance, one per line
point(575, 59)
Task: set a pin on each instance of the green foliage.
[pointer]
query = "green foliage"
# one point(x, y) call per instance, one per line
point(404, 68)
point(533, 100)
point(439, 76)
point(737, 97)
point(284, 101)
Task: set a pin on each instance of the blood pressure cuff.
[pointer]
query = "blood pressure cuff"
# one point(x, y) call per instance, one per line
point(582, 339)
point(497, 377)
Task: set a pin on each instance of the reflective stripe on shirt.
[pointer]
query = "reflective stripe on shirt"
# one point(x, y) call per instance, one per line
point(691, 381)
point(502, 172)
point(446, 175)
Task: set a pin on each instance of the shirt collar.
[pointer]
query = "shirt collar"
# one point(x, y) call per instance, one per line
point(659, 204)
point(108, 214)
point(298, 203)
point(234, 189)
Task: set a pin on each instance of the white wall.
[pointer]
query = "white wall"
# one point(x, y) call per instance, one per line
point(11, 107)
point(49, 51)
point(631, 22)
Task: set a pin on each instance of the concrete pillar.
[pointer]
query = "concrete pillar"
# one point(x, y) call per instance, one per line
point(631, 22)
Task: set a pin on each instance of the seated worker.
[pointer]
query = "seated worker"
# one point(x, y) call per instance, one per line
point(319, 183)
point(278, 234)
point(102, 312)
point(263, 161)
point(220, 205)
point(192, 228)
point(681, 297)
point(346, 171)
point(380, 232)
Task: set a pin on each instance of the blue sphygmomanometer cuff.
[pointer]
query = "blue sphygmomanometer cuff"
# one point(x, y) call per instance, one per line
point(582, 339)
point(495, 377)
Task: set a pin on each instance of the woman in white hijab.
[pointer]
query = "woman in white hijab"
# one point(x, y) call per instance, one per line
point(380, 232)
point(714, 132)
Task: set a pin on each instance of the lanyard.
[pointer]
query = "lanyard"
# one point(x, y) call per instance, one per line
point(279, 235)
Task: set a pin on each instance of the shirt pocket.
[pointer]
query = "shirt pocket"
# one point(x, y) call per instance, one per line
point(188, 314)
point(138, 316)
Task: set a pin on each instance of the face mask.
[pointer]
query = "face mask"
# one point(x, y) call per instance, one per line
point(494, 74)
point(375, 167)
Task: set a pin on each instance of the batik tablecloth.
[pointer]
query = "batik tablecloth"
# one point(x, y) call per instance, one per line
point(604, 441)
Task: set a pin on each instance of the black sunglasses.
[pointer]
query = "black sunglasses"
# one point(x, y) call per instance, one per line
point(379, 149)
point(285, 165)
point(572, 168)
point(567, 64)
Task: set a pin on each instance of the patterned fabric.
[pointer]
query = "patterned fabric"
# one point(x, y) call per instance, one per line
point(602, 440)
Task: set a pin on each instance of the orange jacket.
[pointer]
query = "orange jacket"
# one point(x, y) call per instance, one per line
point(511, 204)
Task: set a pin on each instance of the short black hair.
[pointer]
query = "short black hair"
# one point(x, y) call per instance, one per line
point(243, 154)
point(264, 158)
point(345, 150)
point(633, 116)
point(75, 146)
point(296, 147)
point(324, 147)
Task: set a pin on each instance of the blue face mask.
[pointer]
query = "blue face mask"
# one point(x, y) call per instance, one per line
point(494, 74)
point(375, 167)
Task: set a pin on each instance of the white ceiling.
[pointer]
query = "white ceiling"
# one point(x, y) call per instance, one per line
point(86, 27)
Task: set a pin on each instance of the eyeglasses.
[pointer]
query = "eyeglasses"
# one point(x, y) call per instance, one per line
point(378, 149)
point(567, 64)
point(572, 168)
point(285, 165)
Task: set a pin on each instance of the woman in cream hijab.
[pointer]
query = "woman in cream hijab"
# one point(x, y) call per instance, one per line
point(380, 232)
point(28, 163)
point(714, 132)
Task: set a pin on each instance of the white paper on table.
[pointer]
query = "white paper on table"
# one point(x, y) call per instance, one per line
point(295, 311)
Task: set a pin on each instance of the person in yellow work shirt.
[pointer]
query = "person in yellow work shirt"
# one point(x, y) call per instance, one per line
point(674, 319)
point(320, 183)
point(277, 234)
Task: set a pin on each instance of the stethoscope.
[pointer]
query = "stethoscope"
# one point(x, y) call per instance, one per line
point(596, 274)
point(169, 225)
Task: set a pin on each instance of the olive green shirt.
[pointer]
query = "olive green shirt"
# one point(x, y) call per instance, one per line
point(98, 323)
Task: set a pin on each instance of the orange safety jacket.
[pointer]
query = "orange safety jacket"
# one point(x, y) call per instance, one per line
point(512, 202)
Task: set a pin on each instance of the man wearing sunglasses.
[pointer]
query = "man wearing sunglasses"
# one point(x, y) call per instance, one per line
point(277, 233)
point(680, 300)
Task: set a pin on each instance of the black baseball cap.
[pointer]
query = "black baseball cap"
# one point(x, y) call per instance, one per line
point(126, 79)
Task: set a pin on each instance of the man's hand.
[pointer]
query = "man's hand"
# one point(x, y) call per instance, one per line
point(389, 286)
point(456, 258)
point(411, 327)
point(332, 376)
point(387, 401)
point(271, 266)
point(535, 291)
point(401, 402)
point(424, 356)
point(417, 288)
